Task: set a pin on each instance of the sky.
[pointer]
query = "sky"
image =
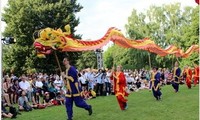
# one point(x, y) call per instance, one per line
point(97, 16)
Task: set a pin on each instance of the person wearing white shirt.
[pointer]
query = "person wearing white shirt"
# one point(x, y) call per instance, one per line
point(130, 79)
point(58, 83)
point(100, 81)
point(90, 77)
point(86, 78)
point(39, 83)
point(108, 83)
point(82, 80)
point(25, 86)
point(39, 89)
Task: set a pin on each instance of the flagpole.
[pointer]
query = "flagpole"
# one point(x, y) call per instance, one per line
point(149, 60)
point(57, 61)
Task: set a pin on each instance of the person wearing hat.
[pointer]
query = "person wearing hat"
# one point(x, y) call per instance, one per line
point(73, 92)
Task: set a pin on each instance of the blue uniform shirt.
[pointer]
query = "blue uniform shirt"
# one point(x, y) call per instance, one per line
point(73, 87)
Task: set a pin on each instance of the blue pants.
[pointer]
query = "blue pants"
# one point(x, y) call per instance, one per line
point(79, 102)
point(175, 86)
point(150, 84)
point(157, 93)
point(108, 87)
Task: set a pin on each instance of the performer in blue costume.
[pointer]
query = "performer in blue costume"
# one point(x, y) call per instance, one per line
point(176, 75)
point(73, 92)
point(156, 84)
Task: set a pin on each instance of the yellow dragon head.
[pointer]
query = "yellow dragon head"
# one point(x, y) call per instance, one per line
point(50, 39)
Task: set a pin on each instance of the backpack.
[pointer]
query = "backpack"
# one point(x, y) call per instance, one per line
point(13, 111)
point(27, 107)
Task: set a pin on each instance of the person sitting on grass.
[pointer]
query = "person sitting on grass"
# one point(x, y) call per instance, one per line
point(85, 94)
point(92, 93)
point(23, 103)
point(138, 84)
point(5, 113)
point(47, 100)
point(60, 97)
point(51, 89)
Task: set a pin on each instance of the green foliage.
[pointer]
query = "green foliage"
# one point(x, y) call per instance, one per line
point(141, 106)
point(87, 60)
point(23, 18)
point(108, 57)
point(166, 25)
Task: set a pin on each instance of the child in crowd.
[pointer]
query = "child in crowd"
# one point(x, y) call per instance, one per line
point(92, 93)
point(85, 94)
point(61, 97)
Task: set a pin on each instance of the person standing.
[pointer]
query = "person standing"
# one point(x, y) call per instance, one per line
point(100, 82)
point(151, 80)
point(73, 92)
point(176, 75)
point(90, 77)
point(82, 80)
point(156, 83)
point(196, 74)
point(120, 87)
point(188, 75)
point(107, 83)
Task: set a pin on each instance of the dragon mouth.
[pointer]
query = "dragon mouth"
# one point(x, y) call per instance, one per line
point(41, 49)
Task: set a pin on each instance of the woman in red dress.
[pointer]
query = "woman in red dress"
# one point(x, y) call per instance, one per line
point(196, 74)
point(120, 87)
point(188, 74)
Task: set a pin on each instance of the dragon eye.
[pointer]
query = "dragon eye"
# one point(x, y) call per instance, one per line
point(36, 35)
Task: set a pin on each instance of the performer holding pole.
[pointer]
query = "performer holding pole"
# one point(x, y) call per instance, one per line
point(196, 74)
point(73, 92)
point(155, 85)
point(176, 75)
point(188, 74)
point(152, 79)
point(120, 87)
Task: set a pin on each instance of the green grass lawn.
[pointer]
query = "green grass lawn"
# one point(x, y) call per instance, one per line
point(141, 106)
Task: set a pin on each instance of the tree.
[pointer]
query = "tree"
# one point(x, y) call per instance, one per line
point(87, 59)
point(23, 18)
point(166, 25)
